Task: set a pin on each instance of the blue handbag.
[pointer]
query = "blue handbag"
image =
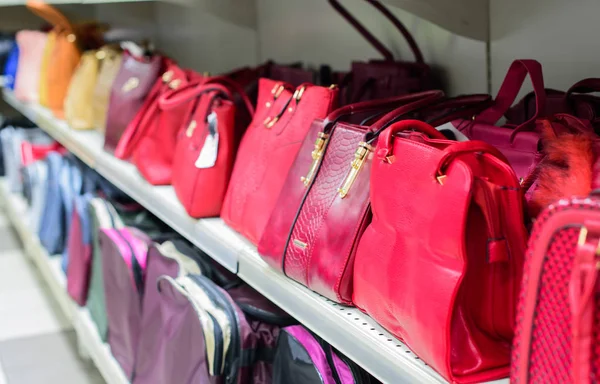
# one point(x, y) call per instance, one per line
point(10, 67)
point(52, 223)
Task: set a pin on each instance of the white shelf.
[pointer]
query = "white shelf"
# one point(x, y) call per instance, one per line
point(49, 266)
point(347, 329)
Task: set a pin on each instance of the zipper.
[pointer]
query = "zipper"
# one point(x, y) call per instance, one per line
point(232, 358)
point(219, 347)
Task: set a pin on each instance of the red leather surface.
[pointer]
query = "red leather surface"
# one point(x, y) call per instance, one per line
point(33, 152)
point(201, 191)
point(422, 267)
point(124, 104)
point(266, 154)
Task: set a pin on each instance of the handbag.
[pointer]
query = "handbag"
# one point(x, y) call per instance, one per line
point(150, 136)
point(53, 228)
point(10, 67)
point(281, 121)
point(65, 44)
point(7, 42)
point(79, 249)
point(129, 90)
point(205, 150)
point(79, 99)
point(557, 328)
point(124, 253)
point(377, 79)
point(228, 336)
point(302, 357)
point(110, 63)
point(317, 221)
point(35, 178)
point(31, 50)
point(71, 186)
point(449, 293)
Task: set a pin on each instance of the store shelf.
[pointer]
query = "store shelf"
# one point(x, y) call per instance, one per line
point(348, 329)
point(49, 266)
point(6, 3)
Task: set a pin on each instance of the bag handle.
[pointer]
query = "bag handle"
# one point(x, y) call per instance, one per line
point(385, 146)
point(589, 85)
point(461, 106)
point(399, 113)
point(461, 148)
point(378, 45)
point(511, 85)
point(50, 14)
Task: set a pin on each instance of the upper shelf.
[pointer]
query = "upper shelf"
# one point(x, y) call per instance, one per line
point(5, 3)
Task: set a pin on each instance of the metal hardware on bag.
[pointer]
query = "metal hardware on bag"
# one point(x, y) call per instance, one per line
point(316, 154)
point(71, 38)
point(440, 179)
point(167, 76)
point(299, 244)
point(130, 84)
point(390, 159)
point(268, 104)
point(298, 93)
point(360, 157)
point(175, 84)
point(333, 86)
point(270, 122)
point(277, 90)
point(583, 233)
point(101, 55)
point(190, 129)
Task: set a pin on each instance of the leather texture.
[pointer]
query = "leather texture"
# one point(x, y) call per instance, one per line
point(200, 187)
point(150, 138)
point(10, 67)
point(124, 254)
point(557, 325)
point(267, 151)
point(376, 79)
point(31, 50)
point(313, 231)
point(460, 322)
point(79, 100)
point(129, 90)
point(110, 65)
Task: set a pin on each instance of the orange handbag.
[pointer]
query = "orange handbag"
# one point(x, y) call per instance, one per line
point(63, 58)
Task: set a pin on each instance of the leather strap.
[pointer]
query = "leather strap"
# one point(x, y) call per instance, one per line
point(386, 143)
point(497, 248)
point(50, 14)
point(460, 148)
point(378, 45)
point(418, 102)
point(507, 94)
point(589, 85)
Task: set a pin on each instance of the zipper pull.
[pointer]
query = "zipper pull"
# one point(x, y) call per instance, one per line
point(360, 157)
point(316, 154)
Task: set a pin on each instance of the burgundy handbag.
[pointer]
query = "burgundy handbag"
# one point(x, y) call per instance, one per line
point(134, 81)
point(313, 230)
point(282, 119)
point(577, 101)
point(441, 262)
point(378, 79)
point(557, 338)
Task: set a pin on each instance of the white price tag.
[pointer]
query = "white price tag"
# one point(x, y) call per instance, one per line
point(457, 134)
point(208, 154)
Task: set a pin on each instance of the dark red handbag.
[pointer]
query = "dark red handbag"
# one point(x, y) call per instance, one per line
point(577, 101)
point(378, 79)
point(150, 138)
point(557, 335)
point(282, 119)
point(130, 88)
point(323, 206)
point(440, 264)
point(205, 149)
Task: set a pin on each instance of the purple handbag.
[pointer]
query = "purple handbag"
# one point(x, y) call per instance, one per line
point(124, 253)
point(209, 335)
point(304, 358)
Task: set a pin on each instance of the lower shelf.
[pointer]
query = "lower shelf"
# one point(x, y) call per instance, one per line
point(90, 344)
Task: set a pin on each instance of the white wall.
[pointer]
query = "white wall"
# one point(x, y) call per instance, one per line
point(562, 35)
point(291, 30)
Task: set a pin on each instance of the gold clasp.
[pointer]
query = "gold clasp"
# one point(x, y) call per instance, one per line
point(360, 157)
point(167, 76)
point(190, 129)
point(316, 154)
point(131, 84)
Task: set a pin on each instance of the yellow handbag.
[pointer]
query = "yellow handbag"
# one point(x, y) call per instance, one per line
point(46, 59)
point(110, 63)
point(80, 95)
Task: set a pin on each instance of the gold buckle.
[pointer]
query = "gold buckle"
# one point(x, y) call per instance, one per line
point(175, 84)
point(131, 84)
point(316, 154)
point(360, 157)
point(167, 76)
point(190, 129)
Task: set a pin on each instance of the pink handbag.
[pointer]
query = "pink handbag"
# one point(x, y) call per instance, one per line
point(31, 51)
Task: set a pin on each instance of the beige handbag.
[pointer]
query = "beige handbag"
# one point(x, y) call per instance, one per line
point(79, 100)
point(110, 62)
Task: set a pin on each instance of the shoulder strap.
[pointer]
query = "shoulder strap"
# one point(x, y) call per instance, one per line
point(50, 14)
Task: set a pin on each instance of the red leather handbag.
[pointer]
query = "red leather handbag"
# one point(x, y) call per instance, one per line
point(205, 150)
point(557, 335)
point(31, 152)
point(282, 119)
point(577, 101)
point(440, 264)
point(150, 138)
point(134, 81)
point(378, 79)
point(323, 206)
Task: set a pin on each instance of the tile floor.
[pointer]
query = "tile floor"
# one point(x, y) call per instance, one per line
point(37, 345)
